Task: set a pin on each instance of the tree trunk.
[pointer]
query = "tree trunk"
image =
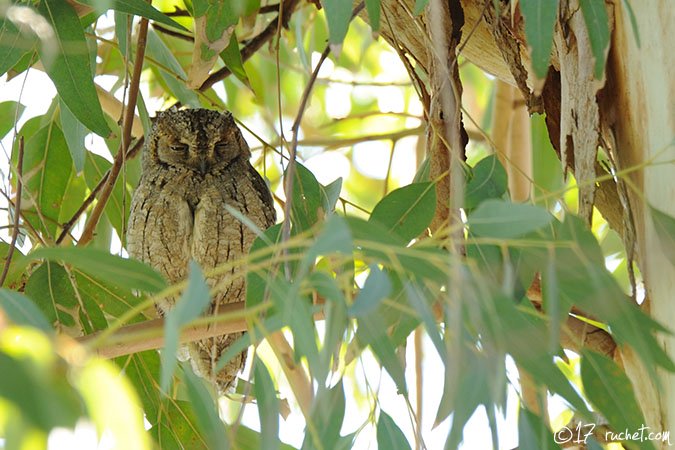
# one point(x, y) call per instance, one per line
point(632, 115)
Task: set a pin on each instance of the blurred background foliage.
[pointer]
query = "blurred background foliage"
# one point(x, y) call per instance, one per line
point(373, 379)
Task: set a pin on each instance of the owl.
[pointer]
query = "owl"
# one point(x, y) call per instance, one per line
point(196, 162)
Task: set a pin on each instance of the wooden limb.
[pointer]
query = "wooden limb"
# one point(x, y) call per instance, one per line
point(17, 212)
point(120, 157)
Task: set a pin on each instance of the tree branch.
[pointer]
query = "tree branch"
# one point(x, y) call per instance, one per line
point(120, 157)
point(17, 212)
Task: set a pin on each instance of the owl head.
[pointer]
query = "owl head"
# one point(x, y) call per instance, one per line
point(200, 140)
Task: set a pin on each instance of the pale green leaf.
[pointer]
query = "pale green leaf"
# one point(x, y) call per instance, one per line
point(193, 302)
point(206, 411)
point(597, 23)
point(376, 288)
point(74, 132)
point(665, 230)
point(502, 219)
point(540, 19)
point(407, 211)
point(389, 435)
point(109, 268)
point(135, 7)
point(22, 311)
point(69, 68)
point(268, 406)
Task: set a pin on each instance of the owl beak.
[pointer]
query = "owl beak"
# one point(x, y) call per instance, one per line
point(203, 166)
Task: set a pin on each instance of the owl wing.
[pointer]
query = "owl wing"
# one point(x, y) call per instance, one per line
point(220, 238)
point(160, 231)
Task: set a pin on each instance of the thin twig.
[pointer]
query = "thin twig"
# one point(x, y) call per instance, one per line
point(17, 213)
point(120, 158)
point(133, 151)
point(290, 172)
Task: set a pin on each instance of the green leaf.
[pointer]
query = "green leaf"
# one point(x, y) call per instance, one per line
point(633, 21)
point(69, 68)
point(43, 399)
point(10, 112)
point(407, 211)
point(119, 202)
point(373, 8)
point(193, 302)
point(376, 288)
point(231, 56)
point(546, 167)
point(389, 435)
point(177, 426)
point(46, 171)
point(533, 434)
point(104, 266)
point(248, 439)
point(419, 6)
point(611, 392)
point(306, 199)
point(504, 220)
point(597, 24)
point(338, 15)
point(268, 406)
point(488, 181)
point(13, 44)
point(170, 71)
point(54, 293)
point(206, 411)
point(22, 311)
point(135, 7)
point(539, 23)
point(327, 414)
point(373, 332)
point(330, 195)
point(74, 132)
point(664, 225)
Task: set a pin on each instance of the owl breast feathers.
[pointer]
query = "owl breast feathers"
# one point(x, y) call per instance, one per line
point(194, 164)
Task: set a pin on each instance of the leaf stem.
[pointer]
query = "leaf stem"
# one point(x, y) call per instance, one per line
point(17, 212)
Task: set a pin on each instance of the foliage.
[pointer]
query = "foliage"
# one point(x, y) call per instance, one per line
point(359, 255)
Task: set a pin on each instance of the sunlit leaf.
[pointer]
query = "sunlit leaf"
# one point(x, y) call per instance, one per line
point(373, 8)
point(171, 71)
point(330, 194)
point(338, 15)
point(10, 112)
point(539, 23)
point(46, 168)
point(502, 219)
point(665, 230)
point(546, 167)
point(488, 181)
point(268, 406)
point(115, 408)
point(55, 294)
point(306, 207)
point(110, 268)
point(327, 416)
point(533, 434)
point(597, 24)
point(69, 68)
point(389, 435)
point(611, 392)
point(231, 56)
point(135, 7)
point(119, 202)
point(74, 133)
point(376, 288)
point(192, 303)
point(22, 311)
point(407, 211)
point(206, 411)
point(13, 44)
point(372, 332)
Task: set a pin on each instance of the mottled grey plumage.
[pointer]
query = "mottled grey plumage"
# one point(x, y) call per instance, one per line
point(196, 162)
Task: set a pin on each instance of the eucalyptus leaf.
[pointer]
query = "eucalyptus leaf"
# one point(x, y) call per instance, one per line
point(268, 406)
point(134, 7)
point(597, 24)
point(389, 435)
point(69, 68)
point(22, 310)
point(407, 211)
point(109, 268)
point(206, 411)
point(505, 220)
point(539, 24)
